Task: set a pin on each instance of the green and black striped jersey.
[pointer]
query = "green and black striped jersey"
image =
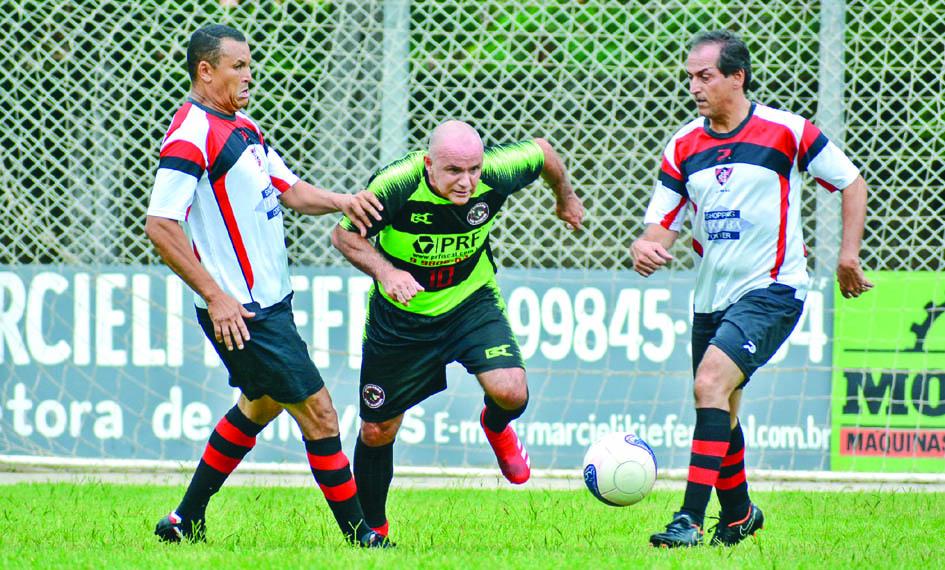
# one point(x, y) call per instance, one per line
point(445, 247)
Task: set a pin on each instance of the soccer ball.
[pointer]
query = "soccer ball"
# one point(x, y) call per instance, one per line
point(619, 469)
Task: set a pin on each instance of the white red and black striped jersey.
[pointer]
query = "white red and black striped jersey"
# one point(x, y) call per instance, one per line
point(218, 175)
point(743, 190)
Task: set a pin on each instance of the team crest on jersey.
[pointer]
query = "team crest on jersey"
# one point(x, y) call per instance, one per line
point(373, 396)
point(723, 173)
point(255, 152)
point(478, 214)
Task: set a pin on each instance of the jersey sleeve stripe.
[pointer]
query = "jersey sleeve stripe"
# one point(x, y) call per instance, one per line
point(181, 165)
point(782, 228)
point(280, 184)
point(812, 143)
point(673, 184)
point(672, 179)
point(826, 184)
point(670, 217)
point(811, 153)
point(185, 150)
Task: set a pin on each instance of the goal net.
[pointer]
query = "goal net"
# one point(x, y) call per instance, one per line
point(100, 355)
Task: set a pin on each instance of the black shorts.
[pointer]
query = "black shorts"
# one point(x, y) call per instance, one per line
point(751, 330)
point(404, 355)
point(274, 362)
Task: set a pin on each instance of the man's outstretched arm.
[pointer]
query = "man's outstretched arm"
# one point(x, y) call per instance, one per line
point(568, 206)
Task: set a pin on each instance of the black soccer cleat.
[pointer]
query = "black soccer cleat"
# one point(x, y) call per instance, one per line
point(682, 531)
point(173, 528)
point(375, 539)
point(731, 533)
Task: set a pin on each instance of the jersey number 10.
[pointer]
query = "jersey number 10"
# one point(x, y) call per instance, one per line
point(441, 278)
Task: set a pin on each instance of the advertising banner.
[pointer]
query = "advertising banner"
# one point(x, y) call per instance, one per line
point(889, 376)
point(111, 364)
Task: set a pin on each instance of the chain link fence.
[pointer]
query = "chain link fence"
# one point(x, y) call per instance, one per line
point(89, 87)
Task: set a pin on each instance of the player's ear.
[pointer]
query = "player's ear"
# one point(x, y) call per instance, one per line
point(427, 161)
point(739, 76)
point(204, 71)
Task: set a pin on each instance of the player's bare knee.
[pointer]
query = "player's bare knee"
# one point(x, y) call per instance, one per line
point(507, 388)
point(377, 434)
point(510, 397)
point(709, 391)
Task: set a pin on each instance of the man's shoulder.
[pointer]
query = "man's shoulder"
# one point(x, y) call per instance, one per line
point(400, 175)
point(189, 123)
point(526, 154)
point(689, 129)
point(780, 116)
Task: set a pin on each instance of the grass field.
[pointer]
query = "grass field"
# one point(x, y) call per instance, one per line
point(110, 526)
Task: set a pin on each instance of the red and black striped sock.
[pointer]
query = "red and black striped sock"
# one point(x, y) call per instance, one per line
point(732, 486)
point(709, 446)
point(373, 473)
point(230, 441)
point(333, 474)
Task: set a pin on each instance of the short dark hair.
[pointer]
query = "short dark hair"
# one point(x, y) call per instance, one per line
point(733, 53)
point(204, 45)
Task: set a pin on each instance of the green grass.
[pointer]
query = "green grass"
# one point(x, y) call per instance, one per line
point(110, 526)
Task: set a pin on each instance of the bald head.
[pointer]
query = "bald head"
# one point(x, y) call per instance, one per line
point(454, 137)
point(454, 161)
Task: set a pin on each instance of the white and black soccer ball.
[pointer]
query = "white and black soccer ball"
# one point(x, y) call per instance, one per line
point(619, 469)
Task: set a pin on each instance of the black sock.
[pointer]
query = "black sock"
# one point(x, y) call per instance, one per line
point(732, 487)
point(497, 418)
point(709, 446)
point(333, 474)
point(230, 441)
point(373, 473)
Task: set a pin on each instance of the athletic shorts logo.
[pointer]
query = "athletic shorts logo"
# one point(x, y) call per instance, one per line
point(478, 214)
point(373, 396)
point(750, 347)
point(496, 351)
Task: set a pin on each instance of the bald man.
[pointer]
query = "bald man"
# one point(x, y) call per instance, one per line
point(435, 299)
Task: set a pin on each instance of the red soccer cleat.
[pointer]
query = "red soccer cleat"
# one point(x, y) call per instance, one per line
point(513, 459)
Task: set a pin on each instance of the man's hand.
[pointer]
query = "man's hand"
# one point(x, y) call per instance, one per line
point(362, 209)
point(853, 282)
point(227, 316)
point(571, 211)
point(400, 285)
point(648, 256)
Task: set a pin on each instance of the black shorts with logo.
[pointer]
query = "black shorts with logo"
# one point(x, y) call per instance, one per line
point(404, 355)
point(749, 331)
point(275, 361)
